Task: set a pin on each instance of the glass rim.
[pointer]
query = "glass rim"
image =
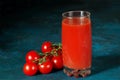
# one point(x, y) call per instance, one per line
point(80, 11)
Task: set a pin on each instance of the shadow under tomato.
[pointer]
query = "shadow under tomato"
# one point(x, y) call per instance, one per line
point(56, 70)
point(53, 71)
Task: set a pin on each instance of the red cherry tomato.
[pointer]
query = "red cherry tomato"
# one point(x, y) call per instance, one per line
point(57, 62)
point(46, 67)
point(49, 57)
point(46, 47)
point(32, 56)
point(30, 69)
point(59, 52)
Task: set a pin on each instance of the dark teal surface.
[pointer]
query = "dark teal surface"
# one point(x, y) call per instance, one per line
point(27, 28)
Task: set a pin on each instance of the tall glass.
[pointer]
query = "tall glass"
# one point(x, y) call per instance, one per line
point(76, 43)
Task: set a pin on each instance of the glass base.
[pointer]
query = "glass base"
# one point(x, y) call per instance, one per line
point(77, 73)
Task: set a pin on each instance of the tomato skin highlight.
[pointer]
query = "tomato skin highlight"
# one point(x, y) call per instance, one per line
point(46, 67)
point(32, 56)
point(30, 69)
point(57, 62)
point(46, 47)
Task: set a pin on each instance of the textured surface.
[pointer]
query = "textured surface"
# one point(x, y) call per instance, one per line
point(28, 28)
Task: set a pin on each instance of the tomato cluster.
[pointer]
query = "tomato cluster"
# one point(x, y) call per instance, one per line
point(49, 59)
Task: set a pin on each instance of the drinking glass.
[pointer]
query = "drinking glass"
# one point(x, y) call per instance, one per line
point(76, 43)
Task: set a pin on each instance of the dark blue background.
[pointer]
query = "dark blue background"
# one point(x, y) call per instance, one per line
point(25, 24)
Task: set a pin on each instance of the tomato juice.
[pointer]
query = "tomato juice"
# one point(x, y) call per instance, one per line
point(76, 42)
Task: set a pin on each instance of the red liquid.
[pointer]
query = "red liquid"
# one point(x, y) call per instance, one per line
point(76, 43)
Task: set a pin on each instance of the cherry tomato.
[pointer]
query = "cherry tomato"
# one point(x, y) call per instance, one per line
point(46, 67)
point(57, 62)
point(32, 56)
point(59, 52)
point(48, 57)
point(30, 69)
point(46, 47)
